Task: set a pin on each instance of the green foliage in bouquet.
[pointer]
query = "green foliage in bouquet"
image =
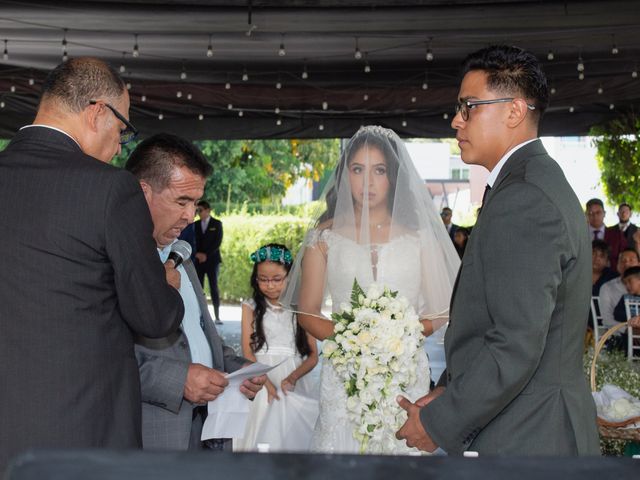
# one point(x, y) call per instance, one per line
point(614, 368)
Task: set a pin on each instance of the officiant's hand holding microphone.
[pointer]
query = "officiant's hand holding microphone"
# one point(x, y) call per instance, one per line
point(412, 431)
point(180, 251)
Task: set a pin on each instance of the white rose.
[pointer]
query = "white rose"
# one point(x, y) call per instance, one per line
point(338, 327)
point(364, 337)
point(374, 292)
point(329, 348)
point(345, 307)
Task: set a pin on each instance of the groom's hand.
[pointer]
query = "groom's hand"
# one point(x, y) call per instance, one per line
point(430, 397)
point(412, 431)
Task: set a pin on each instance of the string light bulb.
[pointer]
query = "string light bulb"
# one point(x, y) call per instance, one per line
point(277, 110)
point(122, 67)
point(445, 116)
point(279, 84)
point(321, 127)
point(357, 54)
point(413, 99)
point(240, 113)
point(553, 90)
point(183, 73)
point(634, 74)
point(230, 106)
point(179, 94)
point(365, 97)
point(13, 89)
point(325, 105)
point(2, 104)
point(227, 86)
point(367, 67)
point(611, 106)
point(571, 109)
point(65, 56)
point(581, 76)
point(201, 117)
point(136, 51)
point(189, 96)
point(600, 90)
point(128, 85)
point(281, 51)
point(429, 54)
point(404, 123)
point(580, 66)
point(5, 54)
point(245, 75)
point(305, 73)
point(143, 98)
point(160, 116)
point(279, 122)
point(614, 47)
point(550, 55)
point(31, 81)
point(210, 48)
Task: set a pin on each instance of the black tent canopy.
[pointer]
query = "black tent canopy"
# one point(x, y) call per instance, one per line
point(302, 68)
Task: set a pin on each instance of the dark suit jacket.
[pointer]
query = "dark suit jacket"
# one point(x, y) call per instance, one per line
point(86, 274)
point(166, 415)
point(514, 380)
point(209, 242)
point(452, 232)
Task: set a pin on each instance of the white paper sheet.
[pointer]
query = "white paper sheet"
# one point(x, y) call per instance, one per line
point(227, 415)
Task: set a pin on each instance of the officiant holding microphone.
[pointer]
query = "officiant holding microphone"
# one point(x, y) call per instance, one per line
point(184, 371)
point(514, 383)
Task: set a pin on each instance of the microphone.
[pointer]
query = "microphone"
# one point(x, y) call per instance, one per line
point(180, 252)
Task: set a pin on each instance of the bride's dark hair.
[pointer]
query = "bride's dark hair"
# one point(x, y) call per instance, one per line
point(258, 338)
point(365, 137)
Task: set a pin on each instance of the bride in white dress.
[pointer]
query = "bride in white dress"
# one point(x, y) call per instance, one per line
point(379, 225)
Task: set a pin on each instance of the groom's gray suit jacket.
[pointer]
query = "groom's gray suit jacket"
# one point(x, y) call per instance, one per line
point(167, 417)
point(514, 379)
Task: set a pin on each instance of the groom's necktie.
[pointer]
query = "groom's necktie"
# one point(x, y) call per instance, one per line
point(484, 195)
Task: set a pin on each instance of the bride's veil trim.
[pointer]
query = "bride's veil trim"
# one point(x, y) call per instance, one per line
point(411, 211)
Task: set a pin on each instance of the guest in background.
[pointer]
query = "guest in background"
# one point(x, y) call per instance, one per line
point(625, 225)
point(612, 235)
point(184, 371)
point(86, 275)
point(208, 259)
point(446, 214)
point(460, 240)
point(611, 292)
point(601, 272)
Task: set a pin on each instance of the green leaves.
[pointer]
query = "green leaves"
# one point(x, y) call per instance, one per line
point(618, 155)
point(356, 291)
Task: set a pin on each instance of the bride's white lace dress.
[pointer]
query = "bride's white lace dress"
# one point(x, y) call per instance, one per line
point(397, 266)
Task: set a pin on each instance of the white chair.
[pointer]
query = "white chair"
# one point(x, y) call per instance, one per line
point(632, 308)
point(596, 316)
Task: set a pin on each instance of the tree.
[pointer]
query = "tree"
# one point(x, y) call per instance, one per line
point(618, 155)
point(258, 171)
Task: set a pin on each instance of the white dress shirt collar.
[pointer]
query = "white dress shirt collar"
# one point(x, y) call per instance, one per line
point(493, 175)
point(52, 128)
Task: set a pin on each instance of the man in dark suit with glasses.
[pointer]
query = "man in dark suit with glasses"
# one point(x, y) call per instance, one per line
point(86, 276)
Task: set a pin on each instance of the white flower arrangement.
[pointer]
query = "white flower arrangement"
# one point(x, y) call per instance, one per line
point(374, 350)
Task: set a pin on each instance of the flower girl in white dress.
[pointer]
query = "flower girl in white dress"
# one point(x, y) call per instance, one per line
point(283, 414)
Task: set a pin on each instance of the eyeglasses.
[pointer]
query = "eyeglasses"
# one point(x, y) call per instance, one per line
point(275, 280)
point(129, 133)
point(463, 108)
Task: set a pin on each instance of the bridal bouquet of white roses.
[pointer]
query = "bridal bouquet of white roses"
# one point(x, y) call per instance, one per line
point(374, 349)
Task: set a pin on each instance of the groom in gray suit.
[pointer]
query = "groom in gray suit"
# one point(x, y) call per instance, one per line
point(514, 383)
point(180, 373)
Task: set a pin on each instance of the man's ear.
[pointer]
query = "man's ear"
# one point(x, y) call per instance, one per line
point(92, 116)
point(517, 112)
point(146, 189)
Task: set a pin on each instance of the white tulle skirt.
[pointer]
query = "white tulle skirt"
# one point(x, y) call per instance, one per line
point(285, 425)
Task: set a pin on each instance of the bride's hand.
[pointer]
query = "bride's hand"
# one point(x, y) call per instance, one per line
point(272, 391)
